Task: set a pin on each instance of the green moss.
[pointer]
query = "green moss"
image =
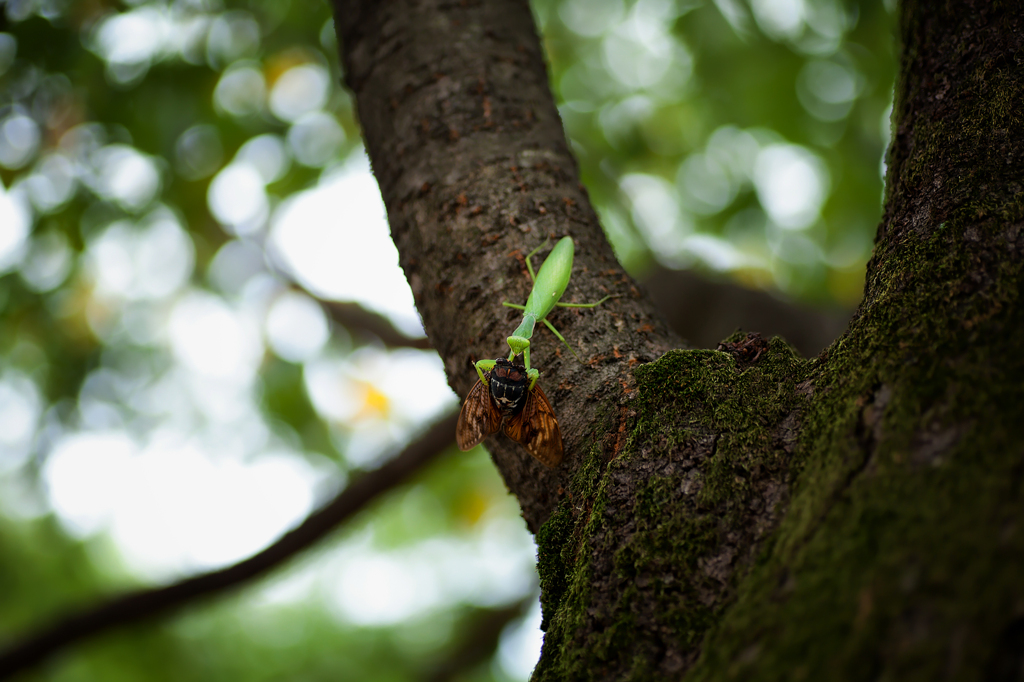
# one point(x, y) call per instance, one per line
point(899, 553)
point(902, 541)
point(901, 477)
point(553, 544)
point(665, 543)
point(563, 561)
point(650, 537)
point(959, 136)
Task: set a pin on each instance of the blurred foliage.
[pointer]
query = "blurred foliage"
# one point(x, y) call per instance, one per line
point(692, 120)
point(730, 135)
point(258, 633)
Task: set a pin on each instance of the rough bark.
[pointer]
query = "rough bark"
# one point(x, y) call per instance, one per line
point(468, 148)
point(745, 514)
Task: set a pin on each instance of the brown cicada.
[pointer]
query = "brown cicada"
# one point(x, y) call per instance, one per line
point(507, 397)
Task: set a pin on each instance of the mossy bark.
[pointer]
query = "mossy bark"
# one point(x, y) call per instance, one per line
point(746, 514)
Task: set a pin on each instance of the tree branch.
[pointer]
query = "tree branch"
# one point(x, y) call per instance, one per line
point(146, 603)
point(361, 321)
point(705, 310)
point(482, 637)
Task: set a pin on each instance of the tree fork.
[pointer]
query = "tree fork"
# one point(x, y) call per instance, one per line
point(745, 514)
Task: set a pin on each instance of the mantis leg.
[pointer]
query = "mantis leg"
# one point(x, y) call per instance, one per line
point(529, 265)
point(561, 338)
point(484, 366)
point(517, 307)
point(532, 375)
point(584, 305)
point(519, 346)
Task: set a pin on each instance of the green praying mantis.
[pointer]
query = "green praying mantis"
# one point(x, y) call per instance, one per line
point(507, 396)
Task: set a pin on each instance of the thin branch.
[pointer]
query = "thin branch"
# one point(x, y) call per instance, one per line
point(352, 316)
point(704, 310)
point(146, 603)
point(482, 638)
point(358, 319)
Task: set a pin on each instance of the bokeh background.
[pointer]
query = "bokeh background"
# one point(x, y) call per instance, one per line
point(188, 220)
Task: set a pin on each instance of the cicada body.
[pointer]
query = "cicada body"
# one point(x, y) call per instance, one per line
point(505, 401)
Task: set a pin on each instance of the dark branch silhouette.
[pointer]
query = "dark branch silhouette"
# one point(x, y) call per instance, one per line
point(359, 321)
point(700, 308)
point(479, 642)
point(704, 310)
point(146, 603)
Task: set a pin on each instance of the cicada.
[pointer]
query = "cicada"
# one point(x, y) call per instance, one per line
point(507, 397)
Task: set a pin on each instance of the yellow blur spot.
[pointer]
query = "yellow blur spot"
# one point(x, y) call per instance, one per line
point(71, 312)
point(277, 64)
point(847, 285)
point(472, 507)
point(753, 277)
point(375, 405)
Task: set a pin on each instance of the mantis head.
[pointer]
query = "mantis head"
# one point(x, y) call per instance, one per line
point(518, 345)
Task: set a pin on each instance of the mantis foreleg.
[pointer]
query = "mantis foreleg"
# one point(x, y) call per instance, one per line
point(483, 366)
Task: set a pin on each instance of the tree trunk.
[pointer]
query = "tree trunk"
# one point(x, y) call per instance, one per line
point(745, 514)
point(467, 146)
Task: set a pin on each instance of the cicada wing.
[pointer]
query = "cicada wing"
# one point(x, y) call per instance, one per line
point(478, 419)
point(536, 429)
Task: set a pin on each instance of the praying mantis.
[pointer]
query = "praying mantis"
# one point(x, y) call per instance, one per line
point(507, 396)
